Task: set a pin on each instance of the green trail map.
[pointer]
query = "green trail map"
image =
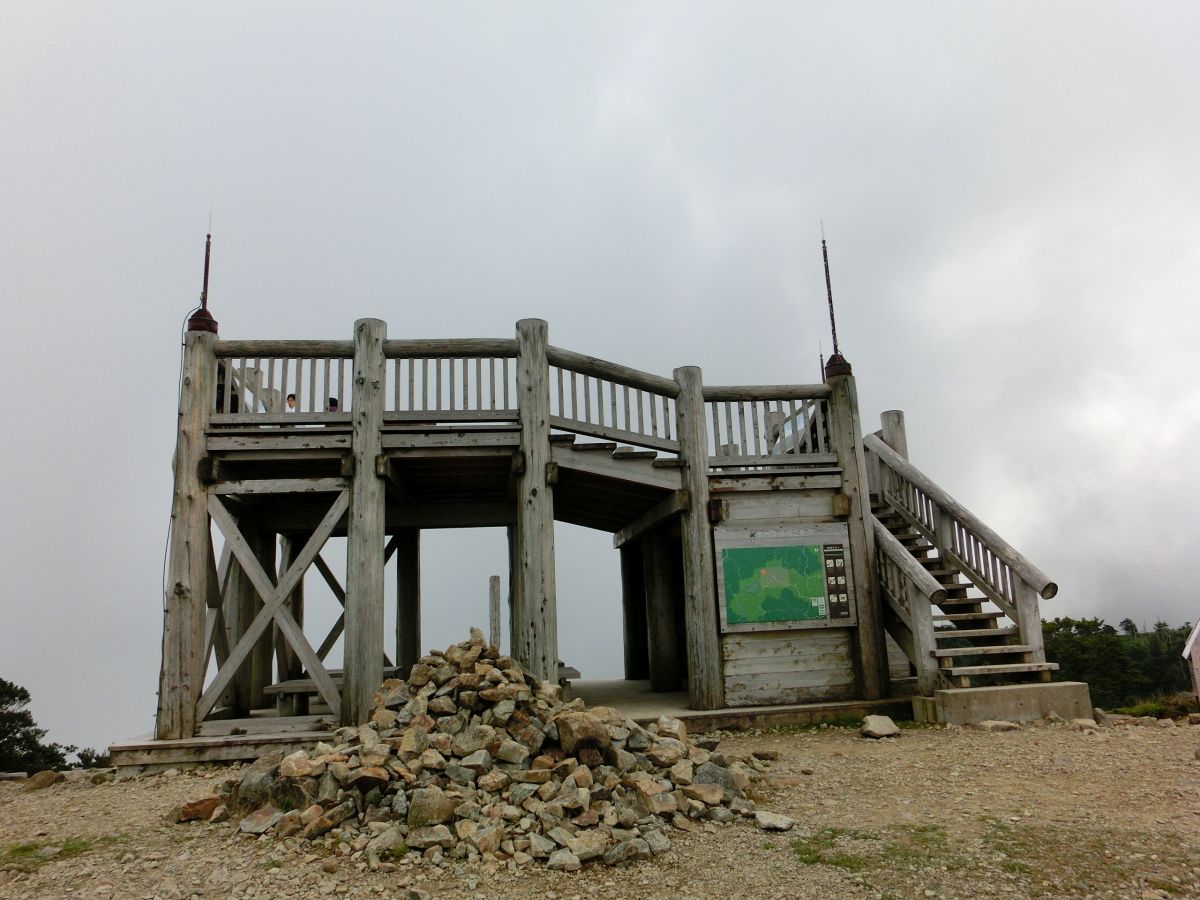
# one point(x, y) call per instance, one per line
point(773, 584)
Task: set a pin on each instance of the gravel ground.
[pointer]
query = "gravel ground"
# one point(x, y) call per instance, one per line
point(1043, 811)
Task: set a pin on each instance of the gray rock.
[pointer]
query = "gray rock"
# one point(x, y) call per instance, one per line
point(769, 821)
point(259, 821)
point(472, 738)
point(256, 780)
point(656, 841)
point(622, 852)
point(997, 725)
point(564, 861)
point(878, 727)
point(540, 847)
point(433, 836)
point(430, 806)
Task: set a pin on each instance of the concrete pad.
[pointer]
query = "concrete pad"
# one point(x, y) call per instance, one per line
point(1009, 702)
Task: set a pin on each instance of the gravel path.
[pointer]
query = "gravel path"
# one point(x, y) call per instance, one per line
point(938, 812)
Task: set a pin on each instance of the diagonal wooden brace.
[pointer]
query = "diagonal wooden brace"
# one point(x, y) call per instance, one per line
point(273, 596)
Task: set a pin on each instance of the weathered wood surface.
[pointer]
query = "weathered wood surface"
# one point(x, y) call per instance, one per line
point(641, 471)
point(705, 687)
point(494, 610)
point(265, 349)
point(633, 613)
point(617, 434)
point(304, 440)
point(536, 635)
point(439, 348)
point(609, 371)
point(665, 653)
point(273, 596)
point(780, 506)
point(787, 667)
point(287, 662)
point(721, 482)
point(365, 532)
point(281, 486)
point(734, 392)
point(1020, 566)
point(408, 597)
point(671, 505)
point(845, 434)
point(181, 678)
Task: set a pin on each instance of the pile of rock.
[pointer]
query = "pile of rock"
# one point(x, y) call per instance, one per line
point(473, 759)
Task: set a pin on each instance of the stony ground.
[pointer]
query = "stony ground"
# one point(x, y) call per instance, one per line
point(1044, 811)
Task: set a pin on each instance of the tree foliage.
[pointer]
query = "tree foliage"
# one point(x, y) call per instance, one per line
point(1120, 667)
point(21, 746)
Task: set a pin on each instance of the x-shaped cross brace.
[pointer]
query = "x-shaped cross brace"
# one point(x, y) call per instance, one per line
point(274, 597)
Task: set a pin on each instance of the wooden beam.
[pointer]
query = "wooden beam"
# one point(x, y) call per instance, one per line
point(671, 505)
point(365, 528)
point(408, 597)
point(633, 608)
point(845, 437)
point(181, 676)
point(536, 639)
point(273, 596)
point(280, 486)
point(392, 482)
point(706, 687)
point(494, 610)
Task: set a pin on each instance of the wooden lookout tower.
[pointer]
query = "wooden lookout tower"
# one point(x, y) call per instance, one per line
point(773, 557)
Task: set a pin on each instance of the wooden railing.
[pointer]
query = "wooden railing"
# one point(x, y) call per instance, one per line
point(768, 424)
point(602, 399)
point(470, 380)
point(254, 379)
point(911, 593)
point(1006, 577)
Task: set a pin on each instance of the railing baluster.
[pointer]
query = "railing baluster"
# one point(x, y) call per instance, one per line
point(505, 367)
point(653, 416)
point(574, 399)
point(313, 406)
point(625, 389)
point(754, 410)
point(561, 407)
point(612, 396)
point(424, 385)
point(587, 400)
point(450, 371)
point(466, 385)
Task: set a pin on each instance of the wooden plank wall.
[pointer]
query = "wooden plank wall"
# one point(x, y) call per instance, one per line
point(765, 668)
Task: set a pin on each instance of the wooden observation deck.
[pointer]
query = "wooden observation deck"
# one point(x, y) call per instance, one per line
point(692, 481)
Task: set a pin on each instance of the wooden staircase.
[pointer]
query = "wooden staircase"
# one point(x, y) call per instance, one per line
point(974, 642)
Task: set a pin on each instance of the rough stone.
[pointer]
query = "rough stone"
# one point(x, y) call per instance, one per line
point(769, 821)
point(878, 727)
point(564, 861)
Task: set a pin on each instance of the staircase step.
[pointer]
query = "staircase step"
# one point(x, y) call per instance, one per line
point(597, 446)
point(1001, 669)
point(562, 438)
point(967, 617)
point(633, 453)
point(941, 633)
point(950, 653)
point(963, 601)
point(668, 462)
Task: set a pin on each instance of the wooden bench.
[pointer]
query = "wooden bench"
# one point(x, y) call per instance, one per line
point(291, 697)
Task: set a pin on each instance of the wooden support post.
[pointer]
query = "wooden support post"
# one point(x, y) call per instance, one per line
point(365, 532)
point(260, 661)
point(845, 434)
point(706, 688)
point(893, 432)
point(514, 587)
point(633, 607)
point(536, 633)
point(494, 611)
point(664, 650)
point(408, 598)
point(287, 663)
point(180, 678)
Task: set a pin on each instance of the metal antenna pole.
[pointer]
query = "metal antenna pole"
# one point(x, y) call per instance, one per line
point(201, 319)
point(837, 364)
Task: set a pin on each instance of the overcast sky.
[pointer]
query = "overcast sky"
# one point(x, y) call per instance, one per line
point(1010, 192)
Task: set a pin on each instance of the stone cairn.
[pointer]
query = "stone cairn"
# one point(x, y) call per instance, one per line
point(473, 759)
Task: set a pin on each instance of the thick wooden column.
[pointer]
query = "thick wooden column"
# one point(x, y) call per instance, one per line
point(494, 611)
point(287, 663)
point(706, 689)
point(893, 432)
point(260, 661)
point(535, 639)
point(665, 651)
point(514, 600)
point(365, 533)
point(408, 597)
point(845, 434)
point(633, 608)
point(181, 679)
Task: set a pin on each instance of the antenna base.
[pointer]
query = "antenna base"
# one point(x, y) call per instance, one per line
point(837, 365)
point(202, 320)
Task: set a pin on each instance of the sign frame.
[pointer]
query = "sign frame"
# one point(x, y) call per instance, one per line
point(767, 536)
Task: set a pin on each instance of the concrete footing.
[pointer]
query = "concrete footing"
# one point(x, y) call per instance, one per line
point(1010, 702)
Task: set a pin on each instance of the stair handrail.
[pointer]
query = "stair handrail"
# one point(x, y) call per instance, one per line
point(911, 592)
point(962, 517)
